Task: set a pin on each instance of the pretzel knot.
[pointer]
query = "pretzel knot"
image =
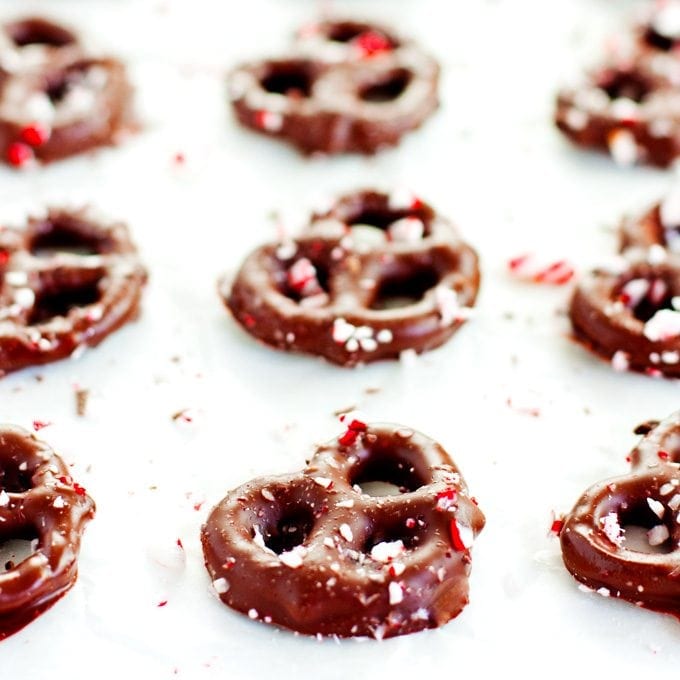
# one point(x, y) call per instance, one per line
point(56, 100)
point(366, 280)
point(630, 106)
point(630, 313)
point(66, 282)
point(315, 553)
point(600, 542)
point(39, 502)
point(346, 87)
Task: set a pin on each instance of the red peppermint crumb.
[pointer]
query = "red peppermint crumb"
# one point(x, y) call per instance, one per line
point(229, 564)
point(456, 540)
point(4, 257)
point(180, 545)
point(664, 455)
point(80, 490)
point(249, 320)
point(19, 154)
point(628, 459)
point(653, 372)
point(348, 437)
point(35, 134)
point(198, 505)
point(354, 427)
point(516, 262)
point(40, 424)
point(556, 526)
point(416, 204)
point(301, 275)
point(410, 523)
point(371, 43)
point(558, 273)
point(179, 158)
point(162, 603)
point(474, 500)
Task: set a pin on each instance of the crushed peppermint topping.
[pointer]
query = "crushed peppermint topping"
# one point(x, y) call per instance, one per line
point(267, 494)
point(621, 361)
point(612, 529)
point(462, 536)
point(302, 278)
point(387, 550)
point(293, 558)
point(40, 424)
point(59, 502)
point(406, 230)
point(355, 338)
point(253, 613)
point(664, 325)
point(371, 43)
point(324, 482)
point(446, 499)
point(396, 591)
point(528, 267)
point(221, 585)
point(449, 307)
point(346, 532)
point(656, 507)
point(271, 121)
point(35, 134)
point(354, 425)
point(623, 147)
point(658, 535)
point(4, 499)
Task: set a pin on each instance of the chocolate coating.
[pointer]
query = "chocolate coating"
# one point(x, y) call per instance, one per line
point(56, 100)
point(332, 96)
point(311, 552)
point(38, 500)
point(66, 281)
point(593, 536)
point(407, 285)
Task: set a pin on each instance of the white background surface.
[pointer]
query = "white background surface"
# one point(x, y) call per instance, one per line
point(489, 159)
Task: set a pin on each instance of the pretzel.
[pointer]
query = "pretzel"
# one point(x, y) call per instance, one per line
point(366, 280)
point(38, 500)
point(596, 540)
point(630, 312)
point(55, 99)
point(314, 553)
point(630, 105)
point(66, 282)
point(346, 87)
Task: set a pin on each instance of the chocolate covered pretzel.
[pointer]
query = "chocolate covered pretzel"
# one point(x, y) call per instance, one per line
point(313, 552)
point(629, 310)
point(39, 502)
point(66, 282)
point(368, 279)
point(630, 105)
point(345, 87)
point(599, 545)
point(56, 100)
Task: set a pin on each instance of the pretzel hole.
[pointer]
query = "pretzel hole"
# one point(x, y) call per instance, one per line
point(388, 88)
point(623, 84)
point(636, 522)
point(38, 32)
point(384, 474)
point(60, 239)
point(286, 527)
point(659, 41)
point(395, 529)
point(659, 295)
point(290, 78)
point(16, 547)
point(59, 302)
point(404, 288)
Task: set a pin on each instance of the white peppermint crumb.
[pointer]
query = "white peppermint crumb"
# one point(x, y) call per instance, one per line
point(674, 502)
point(16, 279)
point(4, 499)
point(656, 254)
point(346, 532)
point(664, 325)
point(23, 466)
point(576, 119)
point(656, 507)
point(655, 357)
point(368, 344)
point(584, 588)
point(669, 210)
point(349, 503)
point(667, 488)
point(620, 361)
point(258, 539)
point(387, 550)
point(221, 585)
point(670, 357)
point(267, 495)
point(396, 592)
point(271, 121)
point(623, 147)
point(325, 482)
point(407, 230)
point(401, 199)
point(440, 574)
point(612, 529)
point(384, 336)
point(658, 535)
point(293, 558)
point(603, 591)
point(420, 614)
point(397, 568)
point(466, 534)
point(328, 542)
point(331, 582)
point(624, 108)
point(286, 250)
point(408, 358)
point(252, 613)
point(59, 502)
